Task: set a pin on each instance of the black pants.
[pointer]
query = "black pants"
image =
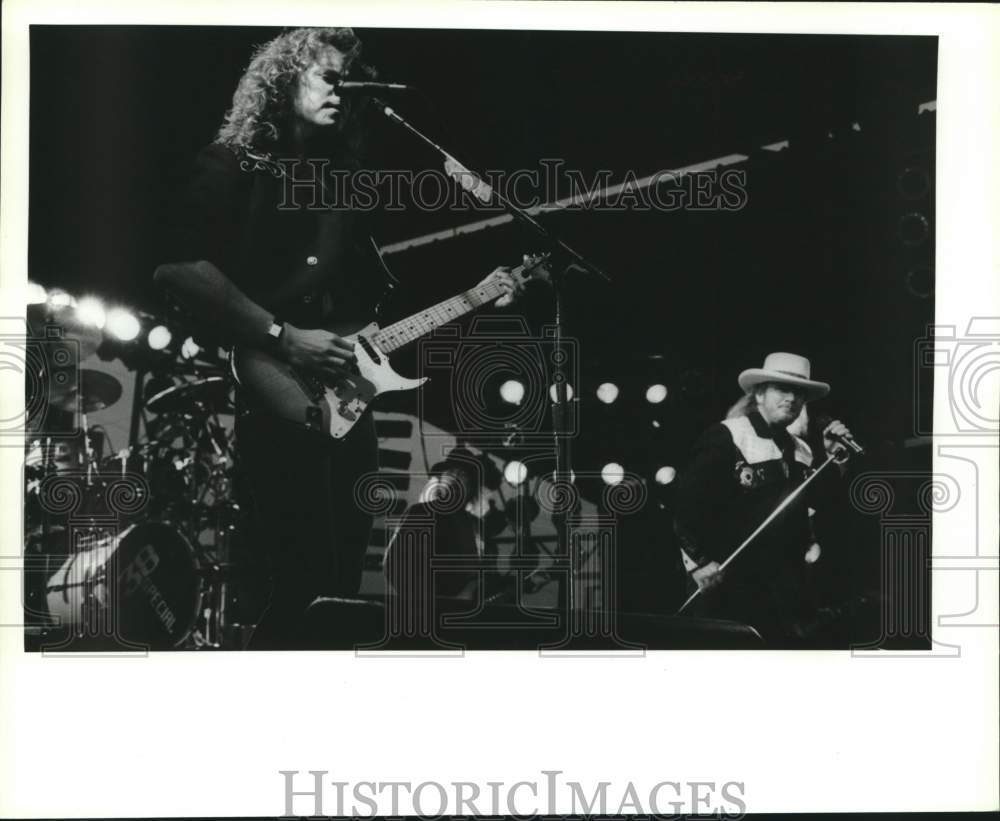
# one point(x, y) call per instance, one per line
point(772, 600)
point(304, 518)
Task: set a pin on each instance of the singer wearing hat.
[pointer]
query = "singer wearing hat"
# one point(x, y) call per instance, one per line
point(743, 468)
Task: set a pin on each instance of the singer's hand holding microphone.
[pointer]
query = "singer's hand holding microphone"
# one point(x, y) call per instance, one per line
point(839, 442)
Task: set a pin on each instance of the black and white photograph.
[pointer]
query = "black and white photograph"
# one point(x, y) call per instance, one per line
point(662, 290)
point(350, 340)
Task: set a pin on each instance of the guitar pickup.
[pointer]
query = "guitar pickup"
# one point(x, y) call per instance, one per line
point(347, 411)
point(370, 350)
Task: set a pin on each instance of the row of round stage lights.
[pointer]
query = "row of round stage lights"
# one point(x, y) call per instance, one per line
point(512, 391)
point(515, 472)
point(119, 323)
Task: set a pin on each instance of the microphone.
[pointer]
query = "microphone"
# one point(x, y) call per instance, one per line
point(364, 87)
point(847, 441)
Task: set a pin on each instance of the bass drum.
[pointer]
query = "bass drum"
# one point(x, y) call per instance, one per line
point(143, 587)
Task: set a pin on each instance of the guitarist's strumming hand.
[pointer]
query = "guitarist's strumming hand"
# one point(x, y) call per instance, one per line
point(319, 351)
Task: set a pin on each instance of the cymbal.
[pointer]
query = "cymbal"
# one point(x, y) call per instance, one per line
point(209, 393)
point(93, 391)
point(76, 335)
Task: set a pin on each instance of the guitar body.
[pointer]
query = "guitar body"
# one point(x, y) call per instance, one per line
point(279, 389)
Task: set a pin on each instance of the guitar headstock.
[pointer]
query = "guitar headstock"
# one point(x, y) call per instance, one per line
point(534, 266)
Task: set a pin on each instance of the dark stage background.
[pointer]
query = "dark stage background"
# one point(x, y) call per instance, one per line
point(813, 263)
point(826, 258)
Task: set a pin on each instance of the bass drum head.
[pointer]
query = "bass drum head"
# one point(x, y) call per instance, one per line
point(142, 588)
point(159, 585)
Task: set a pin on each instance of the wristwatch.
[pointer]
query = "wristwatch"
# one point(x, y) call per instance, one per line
point(274, 334)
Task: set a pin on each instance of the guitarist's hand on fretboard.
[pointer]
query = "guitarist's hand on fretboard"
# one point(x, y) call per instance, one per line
point(318, 351)
point(510, 286)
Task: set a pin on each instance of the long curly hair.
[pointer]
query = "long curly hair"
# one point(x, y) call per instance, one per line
point(262, 103)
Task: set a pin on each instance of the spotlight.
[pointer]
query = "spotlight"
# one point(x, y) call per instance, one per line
point(555, 395)
point(612, 473)
point(159, 337)
point(122, 324)
point(656, 423)
point(607, 392)
point(656, 393)
point(60, 299)
point(665, 475)
point(91, 312)
point(189, 348)
point(36, 294)
point(515, 472)
point(512, 391)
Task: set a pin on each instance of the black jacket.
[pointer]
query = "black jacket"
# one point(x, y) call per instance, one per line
point(728, 489)
point(307, 263)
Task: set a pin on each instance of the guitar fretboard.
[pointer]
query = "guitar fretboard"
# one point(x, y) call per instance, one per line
point(408, 330)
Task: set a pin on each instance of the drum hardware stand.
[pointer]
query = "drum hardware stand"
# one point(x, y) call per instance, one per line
point(216, 462)
point(88, 448)
point(137, 408)
point(199, 465)
point(217, 576)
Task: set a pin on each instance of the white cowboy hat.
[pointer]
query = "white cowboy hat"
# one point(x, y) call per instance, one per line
point(786, 369)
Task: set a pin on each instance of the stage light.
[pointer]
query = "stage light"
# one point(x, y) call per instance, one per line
point(515, 472)
point(159, 337)
point(512, 391)
point(607, 392)
point(189, 348)
point(612, 473)
point(122, 324)
point(665, 475)
point(60, 299)
point(91, 312)
point(656, 423)
point(656, 393)
point(36, 294)
point(555, 396)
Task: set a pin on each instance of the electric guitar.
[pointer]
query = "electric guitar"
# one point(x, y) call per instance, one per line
point(334, 408)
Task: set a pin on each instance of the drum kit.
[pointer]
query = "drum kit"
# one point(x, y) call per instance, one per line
point(134, 549)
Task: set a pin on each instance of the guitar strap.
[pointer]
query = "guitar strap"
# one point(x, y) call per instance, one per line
point(391, 281)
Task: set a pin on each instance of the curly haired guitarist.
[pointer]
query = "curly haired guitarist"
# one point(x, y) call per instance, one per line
point(275, 274)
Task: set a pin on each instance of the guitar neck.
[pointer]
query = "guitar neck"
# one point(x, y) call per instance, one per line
point(408, 330)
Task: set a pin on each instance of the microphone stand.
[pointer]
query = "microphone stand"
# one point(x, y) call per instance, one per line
point(560, 409)
point(760, 528)
point(515, 211)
